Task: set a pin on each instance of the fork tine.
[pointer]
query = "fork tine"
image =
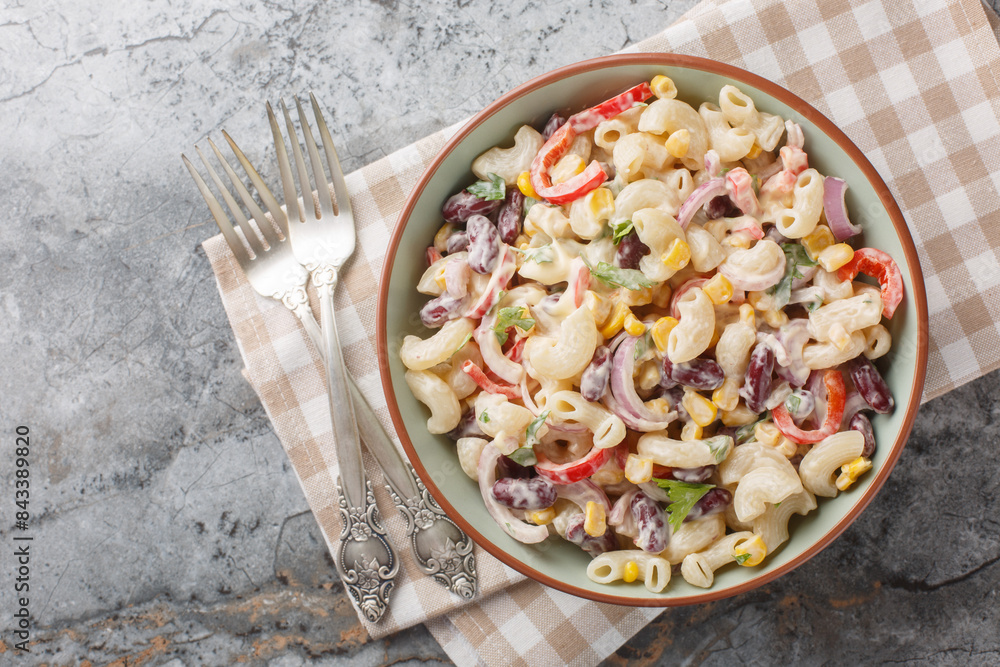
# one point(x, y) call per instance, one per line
point(256, 211)
point(273, 207)
point(221, 219)
point(343, 202)
point(285, 168)
point(308, 207)
point(322, 182)
point(253, 239)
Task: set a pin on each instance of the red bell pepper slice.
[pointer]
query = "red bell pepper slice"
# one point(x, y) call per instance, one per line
point(516, 350)
point(836, 399)
point(560, 141)
point(590, 118)
point(488, 385)
point(621, 454)
point(574, 471)
point(882, 267)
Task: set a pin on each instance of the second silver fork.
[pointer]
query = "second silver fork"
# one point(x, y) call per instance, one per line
point(322, 235)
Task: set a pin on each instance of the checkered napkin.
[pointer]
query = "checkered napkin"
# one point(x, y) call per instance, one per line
point(913, 85)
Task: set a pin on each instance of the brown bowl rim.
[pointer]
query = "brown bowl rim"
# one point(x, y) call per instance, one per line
point(821, 122)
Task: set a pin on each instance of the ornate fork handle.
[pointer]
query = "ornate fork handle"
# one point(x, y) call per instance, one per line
point(442, 550)
point(366, 562)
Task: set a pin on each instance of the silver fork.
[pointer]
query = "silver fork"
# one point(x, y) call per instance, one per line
point(367, 563)
point(322, 239)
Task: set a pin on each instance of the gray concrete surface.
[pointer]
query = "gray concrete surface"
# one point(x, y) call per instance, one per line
point(168, 525)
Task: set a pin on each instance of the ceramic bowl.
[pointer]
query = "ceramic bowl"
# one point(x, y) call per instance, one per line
point(557, 563)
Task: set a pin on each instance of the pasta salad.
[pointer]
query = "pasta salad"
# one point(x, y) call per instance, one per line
point(650, 340)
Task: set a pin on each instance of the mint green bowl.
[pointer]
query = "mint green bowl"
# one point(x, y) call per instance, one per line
point(555, 562)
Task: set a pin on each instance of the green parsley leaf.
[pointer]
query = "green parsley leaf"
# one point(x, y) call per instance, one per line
point(683, 497)
point(524, 456)
point(540, 255)
point(795, 257)
point(741, 558)
point(628, 278)
point(490, 190)
point(792, 404)
point(531, 433)
point(643, 345)
point(777, 504)
point(755, 182)
point(719, 446)
point(465, 340)
point(813, 305)
point(485, 417)
point(621, 230)
point(514, 316)
point(528, 203)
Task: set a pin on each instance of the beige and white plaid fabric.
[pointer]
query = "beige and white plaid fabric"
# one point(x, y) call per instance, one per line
point(913, 85)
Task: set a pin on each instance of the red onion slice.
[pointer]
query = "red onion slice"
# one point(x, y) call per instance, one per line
point(736, 268)
point(633, 422)
point(622, 384)
point(509, 522)
point(583, 492)
point(793, 336)
point(836, 210)
point(702, 194)
point(854, 404)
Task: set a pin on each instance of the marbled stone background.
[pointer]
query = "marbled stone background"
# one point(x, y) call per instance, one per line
point(169, 528)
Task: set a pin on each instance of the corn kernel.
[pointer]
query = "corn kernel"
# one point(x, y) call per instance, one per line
point(849, 472)
point(439, 279)
point(441, 238)
point(658, 405)
point(775, 318)
point(741, 415)
point(543, 517)
point(754, 548)
point(691, 431)
point(567, 167)
point(755, 151)
point(727, 396)
point(678, 143)
point(521, 242)
point(677, 255)
point(524, 185)
point(608, 474)
point(747, 316)
point(819, 240)
point(839, 337)
point(633, 326)
point(636, 297)
point(631, 572)
point(787, 448)
point(741, 240)
point(638, 470)
point(767, 433)
point(760, 301)
point(616, 320)
point(835, 256)
point(599, 305)
point(661, 332)
point(596, 522)
point(663, 87)
point(601, 202)
point(718, 289)
point(703, 411)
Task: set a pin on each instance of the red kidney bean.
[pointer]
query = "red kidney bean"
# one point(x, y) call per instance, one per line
point(462, 206)
point(595, 546)
point(484, 244)
point(713, 502)
point(553, 124)
point(594, 381)
point(652, 523)
point(508, 467)
point(535, 493)
point(774, 235)
point(457, 242)
point(468, 427)
point(692, 475)
point(870, 385)
point(510, 217)
point(630, 251)
point(860, 422)
point(758, 378)
point(439, 310)
point(722, 207)
point(697, 373)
